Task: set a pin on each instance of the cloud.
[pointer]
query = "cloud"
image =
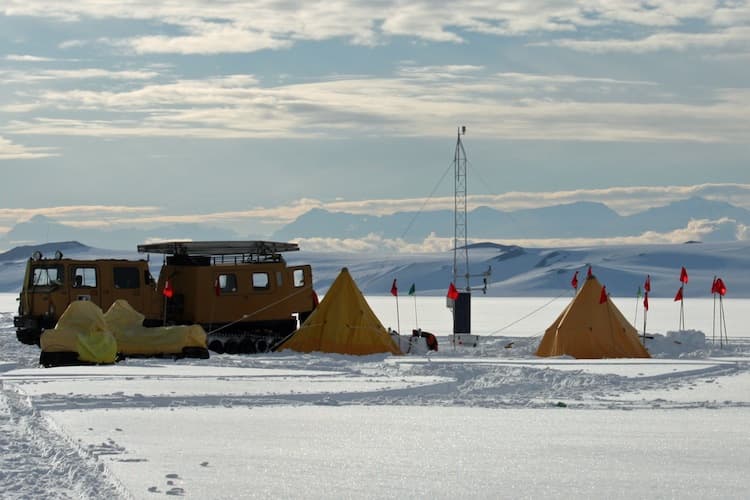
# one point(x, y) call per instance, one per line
point(30, 76)
point(26, 58)
point(545, 107)
point(247, 26)
point(12, 151)
point(734, 38)
point(696, 230)
point(102, 214)
point(626, 200)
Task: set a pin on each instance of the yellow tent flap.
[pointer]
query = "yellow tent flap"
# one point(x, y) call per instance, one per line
point(588, 329)
point(343, 323)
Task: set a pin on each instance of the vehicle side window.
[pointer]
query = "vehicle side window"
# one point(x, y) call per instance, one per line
point(47, 275)
point(260, 281)
point(228, 283)
point(299, 278)
point(127, 277)
point(84, 277)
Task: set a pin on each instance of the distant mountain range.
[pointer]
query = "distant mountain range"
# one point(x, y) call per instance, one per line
point(516, 271)
point(41, 229)
point(580, 220)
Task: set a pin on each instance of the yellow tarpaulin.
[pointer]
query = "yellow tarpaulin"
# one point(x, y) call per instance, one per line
point(343, 323)
point(83, 330)
point(126, 324)
point(588, 329)
point(96, 337)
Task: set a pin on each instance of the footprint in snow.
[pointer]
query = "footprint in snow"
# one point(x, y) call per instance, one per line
point(173, 476)
point(153, 489)
point(204, 464)
point(176, 492)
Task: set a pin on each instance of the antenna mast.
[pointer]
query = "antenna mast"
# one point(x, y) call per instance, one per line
point(459, 214)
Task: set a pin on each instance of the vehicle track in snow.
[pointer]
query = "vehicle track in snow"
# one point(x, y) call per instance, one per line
point(36, 461)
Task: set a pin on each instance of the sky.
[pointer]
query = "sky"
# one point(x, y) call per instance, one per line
point(248, 113)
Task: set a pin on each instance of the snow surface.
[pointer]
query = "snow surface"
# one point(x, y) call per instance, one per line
point(488, 422)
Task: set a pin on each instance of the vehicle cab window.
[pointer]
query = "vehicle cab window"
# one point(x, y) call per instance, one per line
point(127, 277)
point(260, 281)
point(299, 278)
point(227, 283)
point(84, 277)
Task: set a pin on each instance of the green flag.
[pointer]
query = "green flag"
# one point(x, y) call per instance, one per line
point(412, 290)
point(639, 292)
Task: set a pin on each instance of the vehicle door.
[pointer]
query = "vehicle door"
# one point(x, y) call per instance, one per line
point(48, 291)
point(85, 282)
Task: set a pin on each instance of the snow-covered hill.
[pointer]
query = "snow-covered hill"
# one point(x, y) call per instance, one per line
point(516, 271)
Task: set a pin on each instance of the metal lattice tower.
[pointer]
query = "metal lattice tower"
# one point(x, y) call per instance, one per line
point(460, 262)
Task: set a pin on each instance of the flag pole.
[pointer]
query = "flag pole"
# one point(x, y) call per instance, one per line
point(416, 319)
point(645, 313)
point(681, 326)
point(713, 323)
point(398, 317)
point(722, 321)
point(637, 299)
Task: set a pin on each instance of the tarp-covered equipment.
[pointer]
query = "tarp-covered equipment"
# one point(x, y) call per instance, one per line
point(81, 336)
point(134, 339)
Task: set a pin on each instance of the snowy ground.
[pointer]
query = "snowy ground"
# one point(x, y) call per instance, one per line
point(489, 422)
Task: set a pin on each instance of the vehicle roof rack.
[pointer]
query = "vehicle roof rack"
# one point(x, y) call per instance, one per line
point(218, 247)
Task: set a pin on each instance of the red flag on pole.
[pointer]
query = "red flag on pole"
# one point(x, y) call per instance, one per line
point(574, 281)
point(720, 287)
point(589, 273)
point(168, 291)
point(452, 292)
point(603, 296)
point(679, 295)
point(683, 275)
point(217, 287)
point(645, 301)
point(394, 289)
point(647, 284)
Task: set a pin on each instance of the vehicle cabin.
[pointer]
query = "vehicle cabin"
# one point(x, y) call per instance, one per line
point(241, 286)
point(50, 285)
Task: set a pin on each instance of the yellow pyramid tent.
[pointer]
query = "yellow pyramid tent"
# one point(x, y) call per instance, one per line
point(343, 323)
point(589, 329)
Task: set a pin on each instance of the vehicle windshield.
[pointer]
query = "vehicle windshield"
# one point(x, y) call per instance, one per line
point(47, 276)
